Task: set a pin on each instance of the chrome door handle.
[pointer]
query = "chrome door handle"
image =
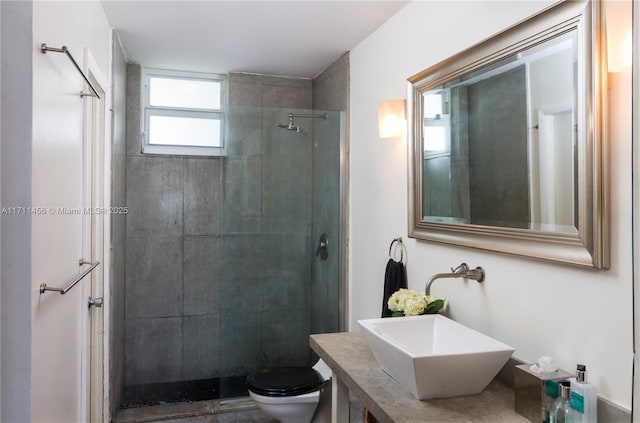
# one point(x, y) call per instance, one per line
point(96, 302)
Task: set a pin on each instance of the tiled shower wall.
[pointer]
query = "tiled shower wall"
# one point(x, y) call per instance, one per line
point(172, 266)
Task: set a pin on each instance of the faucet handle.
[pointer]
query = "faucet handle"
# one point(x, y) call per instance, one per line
point(462, 268)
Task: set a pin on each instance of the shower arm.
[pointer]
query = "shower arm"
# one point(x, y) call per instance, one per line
point(309, 115)
point(292, 127)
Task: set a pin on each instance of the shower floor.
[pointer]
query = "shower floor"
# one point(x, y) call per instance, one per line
point(146, 395)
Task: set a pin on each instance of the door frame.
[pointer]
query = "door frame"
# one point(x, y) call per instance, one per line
point(97, 152)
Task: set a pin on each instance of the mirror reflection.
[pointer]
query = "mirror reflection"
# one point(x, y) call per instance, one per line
point(500, 144)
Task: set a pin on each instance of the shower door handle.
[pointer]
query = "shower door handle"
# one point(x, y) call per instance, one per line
point(322, 250)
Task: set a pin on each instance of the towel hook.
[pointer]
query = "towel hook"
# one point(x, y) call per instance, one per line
point(397, 243)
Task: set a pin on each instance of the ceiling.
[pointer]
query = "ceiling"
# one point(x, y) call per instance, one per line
point(294, 38)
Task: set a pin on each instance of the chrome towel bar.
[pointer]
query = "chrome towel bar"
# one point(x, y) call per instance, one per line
point(64, 49)
point(62, 291)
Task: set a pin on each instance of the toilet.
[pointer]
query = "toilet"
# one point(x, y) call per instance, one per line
point(289, 394)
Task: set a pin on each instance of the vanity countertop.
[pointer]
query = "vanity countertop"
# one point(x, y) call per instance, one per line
point(351, 360)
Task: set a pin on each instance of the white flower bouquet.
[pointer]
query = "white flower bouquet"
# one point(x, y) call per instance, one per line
point(405, 302)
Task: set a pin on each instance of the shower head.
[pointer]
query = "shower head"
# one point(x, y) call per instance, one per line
point(290, 126)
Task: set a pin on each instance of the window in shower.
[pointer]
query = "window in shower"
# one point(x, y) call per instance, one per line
point(183, 113)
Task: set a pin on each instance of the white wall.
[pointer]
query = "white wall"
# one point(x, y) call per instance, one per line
point(57, 345)
point(573, 315)
point(58, 377)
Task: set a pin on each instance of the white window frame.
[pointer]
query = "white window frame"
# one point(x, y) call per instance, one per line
point(148, 111)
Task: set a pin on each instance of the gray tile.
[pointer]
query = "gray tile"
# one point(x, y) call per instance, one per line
point(202, 257)
point(117, 340)
point(254, 78)
point(325, 288)
point(287, 271)
point(202, 196)
point(134, 129)
point(243, 293)
point(247, 93)
point(287, 96)
point(285, 335)
point(153, 352)
point(287, 181)
point(326, 173)
point(242, 257)
point(275, 91)
point(331, 87)
point(200, 347)
point(118, 276)
point(287, 81)
point(245, 78)
point(285, 290)
point(240, 353)
point(154, 277)
point(241, 274)
point(154, 196)
point(242, 192)
point(245, 129)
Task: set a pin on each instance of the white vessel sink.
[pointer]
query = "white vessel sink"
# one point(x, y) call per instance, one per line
point(433, 356)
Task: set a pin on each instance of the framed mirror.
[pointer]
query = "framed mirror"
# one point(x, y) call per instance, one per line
point(507, 141)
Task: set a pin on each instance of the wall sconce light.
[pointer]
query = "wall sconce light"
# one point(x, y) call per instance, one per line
point(392, 118)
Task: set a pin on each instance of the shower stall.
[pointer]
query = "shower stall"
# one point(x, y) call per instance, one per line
point(231, 262)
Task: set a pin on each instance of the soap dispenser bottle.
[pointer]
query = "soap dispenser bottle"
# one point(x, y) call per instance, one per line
point(587, 392)
point(562, 411)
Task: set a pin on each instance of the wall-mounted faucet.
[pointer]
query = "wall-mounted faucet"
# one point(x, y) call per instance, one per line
point(461, 271)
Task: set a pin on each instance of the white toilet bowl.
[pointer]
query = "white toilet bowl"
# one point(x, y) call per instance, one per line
point(294, 409)
point(289, 394)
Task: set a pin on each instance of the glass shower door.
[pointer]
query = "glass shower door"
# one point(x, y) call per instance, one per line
point(273, 288)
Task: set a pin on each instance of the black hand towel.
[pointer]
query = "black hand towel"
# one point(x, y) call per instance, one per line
point(395, 277)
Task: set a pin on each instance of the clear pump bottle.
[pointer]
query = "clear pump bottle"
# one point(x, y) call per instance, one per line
point(562, 411)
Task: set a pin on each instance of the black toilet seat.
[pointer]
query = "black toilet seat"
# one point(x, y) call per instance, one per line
point(284, 381)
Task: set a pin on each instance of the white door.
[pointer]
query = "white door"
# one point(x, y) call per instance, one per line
point(67, 227)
